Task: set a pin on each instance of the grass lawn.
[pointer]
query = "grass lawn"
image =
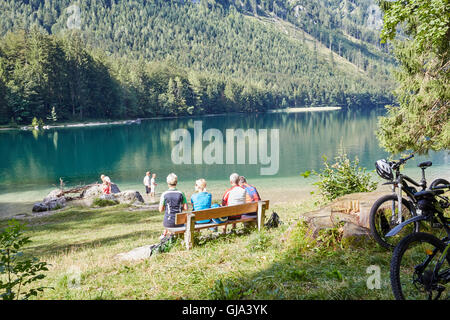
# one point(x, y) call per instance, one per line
point(251, 265)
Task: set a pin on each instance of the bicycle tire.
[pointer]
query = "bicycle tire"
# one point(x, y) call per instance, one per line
point(399, 252)
point(438, 182)
point(373, 213)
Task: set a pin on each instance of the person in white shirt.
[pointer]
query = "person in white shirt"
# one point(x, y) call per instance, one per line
point(153, 185)
point(147, 183)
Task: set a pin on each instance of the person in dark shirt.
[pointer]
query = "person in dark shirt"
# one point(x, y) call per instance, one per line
point(172, 201)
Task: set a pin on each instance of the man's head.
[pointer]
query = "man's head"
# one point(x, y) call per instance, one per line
point(172, 180)
point(242, 180)
point(234, 179)
point(154, 175)
point(147, 173)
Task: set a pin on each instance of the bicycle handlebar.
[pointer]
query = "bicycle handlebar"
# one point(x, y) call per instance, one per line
point(397, 164)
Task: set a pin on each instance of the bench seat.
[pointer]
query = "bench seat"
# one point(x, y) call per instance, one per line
point(199, 226)
point(189, 218)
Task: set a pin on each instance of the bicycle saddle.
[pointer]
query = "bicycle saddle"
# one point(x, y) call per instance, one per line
point(425, 164)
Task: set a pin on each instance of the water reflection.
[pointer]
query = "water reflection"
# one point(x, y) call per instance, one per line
point(125, 152)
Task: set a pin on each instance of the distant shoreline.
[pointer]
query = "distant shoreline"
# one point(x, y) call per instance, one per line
point(138, 120)
point(309, 109)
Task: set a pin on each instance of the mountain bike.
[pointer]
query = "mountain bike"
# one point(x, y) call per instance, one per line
point(392, 209)
point(420, 264)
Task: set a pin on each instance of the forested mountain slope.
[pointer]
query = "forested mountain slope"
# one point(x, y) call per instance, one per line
point(106, 58)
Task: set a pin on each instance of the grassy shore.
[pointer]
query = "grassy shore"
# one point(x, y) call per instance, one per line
point(250, 265)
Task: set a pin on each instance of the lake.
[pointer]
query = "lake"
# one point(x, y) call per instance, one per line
point(31, 163)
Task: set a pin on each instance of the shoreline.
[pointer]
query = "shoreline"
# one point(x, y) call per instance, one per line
point(138, 120)
point(307, 109)
point(21, 203)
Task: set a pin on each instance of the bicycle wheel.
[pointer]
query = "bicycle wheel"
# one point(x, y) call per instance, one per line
point(381, 220)
point(414, 275)
point(438, 182)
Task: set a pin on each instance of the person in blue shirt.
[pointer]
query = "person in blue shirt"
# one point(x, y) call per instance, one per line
point(201, 199)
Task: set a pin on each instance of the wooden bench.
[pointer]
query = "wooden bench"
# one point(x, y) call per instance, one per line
point(189, 218)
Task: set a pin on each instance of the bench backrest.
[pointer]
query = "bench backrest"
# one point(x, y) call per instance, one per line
point(221, 212)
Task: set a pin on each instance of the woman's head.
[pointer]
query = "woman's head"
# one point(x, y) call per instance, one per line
point(200, 185)
point(172, 180)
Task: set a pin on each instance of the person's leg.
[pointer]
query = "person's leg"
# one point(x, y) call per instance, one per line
point(165, 232)
point(147, 193)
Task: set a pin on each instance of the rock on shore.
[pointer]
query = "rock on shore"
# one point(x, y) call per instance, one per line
point(54, 200)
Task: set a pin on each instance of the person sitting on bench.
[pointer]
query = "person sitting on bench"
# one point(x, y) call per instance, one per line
point(235, 195)
point(172, 202)
point(202, 199)
point(252, 192)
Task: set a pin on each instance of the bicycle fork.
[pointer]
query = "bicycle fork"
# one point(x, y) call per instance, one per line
point(399, 197)
point(393, 208)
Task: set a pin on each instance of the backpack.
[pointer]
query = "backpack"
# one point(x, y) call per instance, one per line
point(274, 221)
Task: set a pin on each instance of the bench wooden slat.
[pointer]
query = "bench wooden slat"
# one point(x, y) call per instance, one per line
point(189, 218)
point(200, 226)
point(214, 213)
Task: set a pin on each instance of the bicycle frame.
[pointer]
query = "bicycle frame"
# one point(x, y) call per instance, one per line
point(400, 183)
point(444, 276)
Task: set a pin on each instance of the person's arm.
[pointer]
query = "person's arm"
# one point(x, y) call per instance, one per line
point(162, 206)
point(184, 202)
point(192, 202)
point(209, 200)
point(225, 199)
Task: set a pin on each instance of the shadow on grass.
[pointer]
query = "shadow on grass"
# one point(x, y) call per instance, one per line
point(295, 277)
point(92, 218)
point(64, 248)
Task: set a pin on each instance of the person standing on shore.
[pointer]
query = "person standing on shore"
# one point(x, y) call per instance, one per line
point(153, 185)
point(146, 182)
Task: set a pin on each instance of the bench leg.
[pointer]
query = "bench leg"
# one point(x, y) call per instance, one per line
point(261, 215)
point(189, 233)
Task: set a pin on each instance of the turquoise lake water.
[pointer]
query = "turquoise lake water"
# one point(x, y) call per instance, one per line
point(32, 163)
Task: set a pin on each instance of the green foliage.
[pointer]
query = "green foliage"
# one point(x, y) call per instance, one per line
point(421, 120)
point(342, 177)
point(208, 58)
point(326, 242)
point(259, 241)
point(330, 238)
point(53, 117)
point(98, 202)
point(225, 290)
point(17, 271)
